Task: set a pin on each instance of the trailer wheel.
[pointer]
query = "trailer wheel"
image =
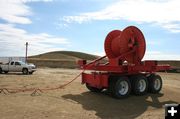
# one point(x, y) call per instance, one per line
point(25, 71)
point(121, 87)
point(93, 89)
point(139, 84)
point(112, 82)
point(0, 71)
point(155, 83)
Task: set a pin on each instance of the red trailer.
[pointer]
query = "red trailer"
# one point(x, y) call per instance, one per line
point(122, 70)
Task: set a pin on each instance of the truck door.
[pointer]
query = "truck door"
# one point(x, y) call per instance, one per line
point(11, 66)
point(18, 67)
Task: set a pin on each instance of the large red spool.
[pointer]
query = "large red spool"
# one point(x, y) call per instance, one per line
point(129, 43)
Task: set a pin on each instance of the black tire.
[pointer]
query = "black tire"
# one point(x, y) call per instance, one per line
point(30, 72)
point(25, 71)
point(120, 87)
point(93, 89)
point(139, 84)
point(112, 82)
point(5, 72)
point(155, 83)
point(0, 71)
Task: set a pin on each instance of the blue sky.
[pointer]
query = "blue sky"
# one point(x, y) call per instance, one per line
point(82, 25)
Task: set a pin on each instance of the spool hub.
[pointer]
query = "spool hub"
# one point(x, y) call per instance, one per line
point(119, 43)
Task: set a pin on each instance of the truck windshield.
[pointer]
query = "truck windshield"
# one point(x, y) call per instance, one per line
point(22, 62)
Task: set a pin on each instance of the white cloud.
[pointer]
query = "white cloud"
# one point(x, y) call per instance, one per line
point(12, 41)
point(156, 55)
point(60, 25)
point(152, 55)
point(162, 12)
point(37, 0)
point(14, 11)
point(174, 27)
point(99, 53)
point(152, 42)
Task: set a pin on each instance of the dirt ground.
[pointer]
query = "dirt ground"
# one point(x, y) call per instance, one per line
point(76, 102)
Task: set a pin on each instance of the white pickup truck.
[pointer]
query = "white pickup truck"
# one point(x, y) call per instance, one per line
point(17, 66)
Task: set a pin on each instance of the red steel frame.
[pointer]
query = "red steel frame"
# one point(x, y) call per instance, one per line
point(100, 72)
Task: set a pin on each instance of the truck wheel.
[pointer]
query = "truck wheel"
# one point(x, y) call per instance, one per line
point(93, 89)
point(25, 71)
point(112, 82)
point(5, 72)
point(0, 71)
point(155, 83)
point(139, 84)
point(30, 72)
point(121, 87)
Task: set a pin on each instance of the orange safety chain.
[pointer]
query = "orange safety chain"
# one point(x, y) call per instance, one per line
point(36, 91)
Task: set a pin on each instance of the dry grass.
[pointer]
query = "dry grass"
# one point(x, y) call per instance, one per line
point(60, 59)
point(76, 102)
point(68, 59)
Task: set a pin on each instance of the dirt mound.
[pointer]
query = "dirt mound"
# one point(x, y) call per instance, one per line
point(171, 62)
point(65, 55)
point(60, 59)
point(68, 59)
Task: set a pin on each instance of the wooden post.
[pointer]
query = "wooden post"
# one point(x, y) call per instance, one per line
point(26, 52)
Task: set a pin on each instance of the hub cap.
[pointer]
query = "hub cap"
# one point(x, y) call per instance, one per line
point(157, 84)
point(123, 88)
point(142, 85)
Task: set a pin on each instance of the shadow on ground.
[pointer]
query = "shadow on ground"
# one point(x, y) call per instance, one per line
point(13, 73)
point(107, 107)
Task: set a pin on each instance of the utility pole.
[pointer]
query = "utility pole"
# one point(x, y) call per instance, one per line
point(26, 52)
